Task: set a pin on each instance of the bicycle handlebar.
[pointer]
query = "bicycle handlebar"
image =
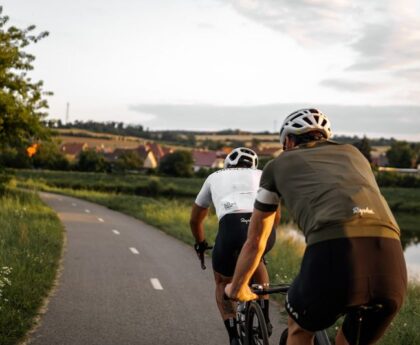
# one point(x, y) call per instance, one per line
point(261, 290)
point(268, 290)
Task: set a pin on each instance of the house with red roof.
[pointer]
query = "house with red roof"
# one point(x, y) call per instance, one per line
point(73, 150)
point(204, 159)
point(143, 151)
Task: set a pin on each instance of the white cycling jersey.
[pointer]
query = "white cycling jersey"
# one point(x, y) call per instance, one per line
point(231, 190)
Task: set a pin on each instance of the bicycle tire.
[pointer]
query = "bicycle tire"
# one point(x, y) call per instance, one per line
point(256, 328)
point(319, 338)
point(283, 337)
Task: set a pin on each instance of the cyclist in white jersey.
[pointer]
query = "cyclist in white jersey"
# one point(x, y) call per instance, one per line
point(232, 191)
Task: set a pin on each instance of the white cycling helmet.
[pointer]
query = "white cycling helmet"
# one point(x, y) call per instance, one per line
point(241, 155)
point(304, 121)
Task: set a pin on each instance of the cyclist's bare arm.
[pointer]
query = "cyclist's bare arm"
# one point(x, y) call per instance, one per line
point(198, 214)
point(258, 232)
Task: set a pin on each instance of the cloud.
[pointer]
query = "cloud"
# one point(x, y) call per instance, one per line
point(349, 85)
point(383, 34)
point(307, 21)
point(389, 120)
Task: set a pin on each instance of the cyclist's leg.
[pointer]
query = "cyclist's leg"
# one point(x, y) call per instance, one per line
point(313, 302)
point(230, 238)
point(226, 307)
point(340, 339)
point(383, 261)
point(298, 335)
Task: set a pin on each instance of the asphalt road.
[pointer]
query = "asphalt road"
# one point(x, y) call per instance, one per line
point(125, 282)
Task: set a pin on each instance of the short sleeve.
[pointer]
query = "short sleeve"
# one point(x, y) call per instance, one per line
point(267, 199)
point(204, 196)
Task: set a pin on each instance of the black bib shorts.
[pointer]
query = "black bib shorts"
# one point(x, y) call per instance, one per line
point(339, 274)
point(232, 234)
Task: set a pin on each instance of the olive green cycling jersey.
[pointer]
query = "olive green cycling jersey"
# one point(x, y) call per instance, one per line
point(330, 190)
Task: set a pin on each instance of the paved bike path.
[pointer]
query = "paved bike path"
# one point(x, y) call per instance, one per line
point(125, 282)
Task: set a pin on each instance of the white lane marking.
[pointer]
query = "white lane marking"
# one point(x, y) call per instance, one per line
point(101, 220)
point(156, 284)
point(87, 211)
point(73, 204)
point(134, 250)
point(116, 232)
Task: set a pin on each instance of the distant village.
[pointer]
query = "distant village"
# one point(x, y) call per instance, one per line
point(151, 153)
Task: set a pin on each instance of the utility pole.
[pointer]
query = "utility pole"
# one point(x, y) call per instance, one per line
point(67, 112)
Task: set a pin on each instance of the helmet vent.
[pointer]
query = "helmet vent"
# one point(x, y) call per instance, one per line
point(307, 121)
point(234, 155)
point(324, 122)
point(316, 117)
point(314, 111)
point(297, 125)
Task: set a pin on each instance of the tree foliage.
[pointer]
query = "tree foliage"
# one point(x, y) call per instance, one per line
point(50, 157)
point(22, 101)
point(400, 155)
point(90, 160)
point(129, 160)
point(364, 147)
point(179, 163)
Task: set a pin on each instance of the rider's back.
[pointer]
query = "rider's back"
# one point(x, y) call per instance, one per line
point(338, 195)
point(230, 190)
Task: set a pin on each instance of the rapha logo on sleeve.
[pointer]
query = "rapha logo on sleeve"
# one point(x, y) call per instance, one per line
point(245, 220)
point(362, 211)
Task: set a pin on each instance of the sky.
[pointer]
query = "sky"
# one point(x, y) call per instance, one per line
point(217, 64)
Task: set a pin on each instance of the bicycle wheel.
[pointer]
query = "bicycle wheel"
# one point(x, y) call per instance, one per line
point(255, 326)
point(283, 337)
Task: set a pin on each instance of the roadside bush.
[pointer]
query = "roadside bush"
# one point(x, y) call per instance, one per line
point(14, 158)
point(391, 179)
point(90, 160)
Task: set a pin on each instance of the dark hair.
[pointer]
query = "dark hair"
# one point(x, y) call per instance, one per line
point(307, 137)
point(244, 163)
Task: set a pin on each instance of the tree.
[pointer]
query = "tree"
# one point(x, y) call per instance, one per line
point(49, 156)
point(129, 160)
point(179, 163)
point(90, 160)
point(400, 155)
point(364, 147)
point(22, 101)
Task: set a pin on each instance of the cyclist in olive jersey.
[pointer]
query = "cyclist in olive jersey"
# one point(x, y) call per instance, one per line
point(232, 191)
point(353, 255)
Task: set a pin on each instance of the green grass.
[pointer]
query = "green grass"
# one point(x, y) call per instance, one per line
point(138, 184)
point(30, 248)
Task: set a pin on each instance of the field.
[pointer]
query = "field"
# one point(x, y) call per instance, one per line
point(31, 239)
point(172, 215)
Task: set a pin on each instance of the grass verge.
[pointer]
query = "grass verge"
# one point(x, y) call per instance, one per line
point(31, 240)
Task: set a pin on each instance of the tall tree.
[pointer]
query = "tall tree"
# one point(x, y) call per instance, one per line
point(22, 101)
point(364, 147)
